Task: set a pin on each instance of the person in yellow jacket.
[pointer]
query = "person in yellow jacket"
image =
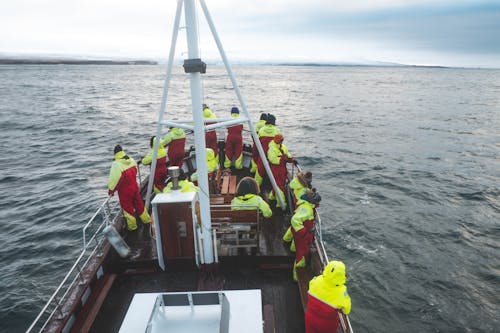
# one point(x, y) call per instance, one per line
point(184, 184)
point(212, 166)
point(122, 178)
point(210, 136)
point(327, 296)
point(303, 222)
point(161, 165)
point(247, 197)
point(299, 185)
point(175, 140)
point(266, 135)
point(255, 151)
point(278, 157)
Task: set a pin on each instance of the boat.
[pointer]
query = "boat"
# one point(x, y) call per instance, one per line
point(201, 266)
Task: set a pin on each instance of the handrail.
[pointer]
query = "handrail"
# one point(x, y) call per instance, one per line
point(56, 299)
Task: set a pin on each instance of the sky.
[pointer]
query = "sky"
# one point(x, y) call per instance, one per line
point(462, 33)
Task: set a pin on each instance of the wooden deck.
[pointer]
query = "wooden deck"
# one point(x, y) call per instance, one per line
point(269, 270)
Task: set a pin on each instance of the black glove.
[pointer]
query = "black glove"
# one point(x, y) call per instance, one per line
point(295, 162)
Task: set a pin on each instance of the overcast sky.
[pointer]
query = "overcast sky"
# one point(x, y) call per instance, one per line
point(421, 32)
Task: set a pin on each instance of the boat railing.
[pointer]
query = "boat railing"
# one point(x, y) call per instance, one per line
point(107, 213)
point(318, 240)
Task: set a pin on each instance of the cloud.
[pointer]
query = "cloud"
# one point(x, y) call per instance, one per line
point(438, 31)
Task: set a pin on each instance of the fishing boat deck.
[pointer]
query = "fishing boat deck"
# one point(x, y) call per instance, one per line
point(281, 311)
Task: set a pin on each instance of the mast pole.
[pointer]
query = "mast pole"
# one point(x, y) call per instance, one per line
point(199, 130)
point(242, 103)
point(175, 33)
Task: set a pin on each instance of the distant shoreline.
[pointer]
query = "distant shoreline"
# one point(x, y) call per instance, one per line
point(12, 61)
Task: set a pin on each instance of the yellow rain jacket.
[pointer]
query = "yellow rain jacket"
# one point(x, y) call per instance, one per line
point(173, 134)
point(269, 130)
point(304, 212)
point(251, 201)
point(146, 160)
point(330, 287)
point(276, 152)
point(298, 188)
point(185, 185)
point(207, 113)
point(212, 164)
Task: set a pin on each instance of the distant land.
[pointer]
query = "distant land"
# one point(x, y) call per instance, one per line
point(354, 64)
point(58, 61)
point(82, 60)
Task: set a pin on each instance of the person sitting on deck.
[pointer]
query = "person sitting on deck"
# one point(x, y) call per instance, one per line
point(266, 135)
point(175, 139)
point(327, 296)
point(212, 166)
point(184, 184)
point(299, 184)
point(122, 178)
point(303, 221)
point(161, 165)
point(247, 197)
point(255, 151)
point(278, 157)
point(210, 136)
point(234, 143)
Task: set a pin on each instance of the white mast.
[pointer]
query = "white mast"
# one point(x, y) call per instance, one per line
point(199, 130)
point(195, 67)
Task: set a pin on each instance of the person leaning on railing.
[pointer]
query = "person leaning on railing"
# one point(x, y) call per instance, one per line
point(247, 198)
point(123, 178)
point(299, 185)
point(303, 223)
point(327, 296)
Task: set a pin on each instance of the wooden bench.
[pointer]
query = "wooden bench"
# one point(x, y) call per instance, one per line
point(229, 183)
point(236, 228)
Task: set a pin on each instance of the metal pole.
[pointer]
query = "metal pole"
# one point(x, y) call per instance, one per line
point(199, 131)
point(171, 55)
point(243, 105)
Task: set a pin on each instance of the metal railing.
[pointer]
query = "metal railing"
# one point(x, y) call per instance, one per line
point(106, 214)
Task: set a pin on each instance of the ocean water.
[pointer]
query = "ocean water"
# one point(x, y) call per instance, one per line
point(406, 160)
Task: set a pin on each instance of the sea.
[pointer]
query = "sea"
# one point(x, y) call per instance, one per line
point(406, 160)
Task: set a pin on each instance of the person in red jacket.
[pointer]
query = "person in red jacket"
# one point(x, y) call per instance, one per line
point(210, 136)
point(327, 296)
point(175, 140)
point(278, 157)
point(303, 222)
point(161, 165)
point(234, 143)
point(255, 151)
point(266, 135)
point(122, 178)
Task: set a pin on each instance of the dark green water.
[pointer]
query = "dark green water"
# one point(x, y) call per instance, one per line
point(406, 160)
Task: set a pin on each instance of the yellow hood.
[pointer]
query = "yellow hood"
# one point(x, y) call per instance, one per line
point(334, 273)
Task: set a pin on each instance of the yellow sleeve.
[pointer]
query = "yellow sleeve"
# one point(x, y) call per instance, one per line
point(146, 160)
point(273, 154)
point(115, 174)
point(346, 303)
point(297, 221)
point(264, 208)
point(285, 151)
point(167, 138)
